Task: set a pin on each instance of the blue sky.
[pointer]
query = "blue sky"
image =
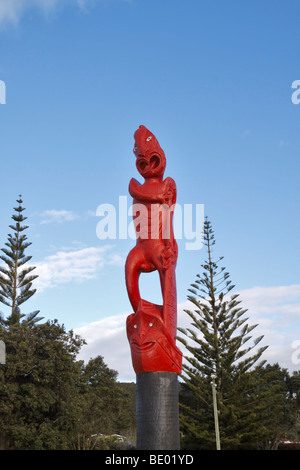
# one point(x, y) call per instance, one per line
point(212, 80)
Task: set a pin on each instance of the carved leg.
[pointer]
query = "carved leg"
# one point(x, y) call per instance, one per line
point(170, 301)
point(169, 294)
point(134, 261)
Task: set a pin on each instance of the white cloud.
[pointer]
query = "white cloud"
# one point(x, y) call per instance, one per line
point(277, 312)
point(73, 266)
point(57, 216)
point(275, 309)
point(107, 338)
point(11, 11)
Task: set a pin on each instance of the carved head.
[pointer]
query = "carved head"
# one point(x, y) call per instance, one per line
point(150, 157)
point(152, 348)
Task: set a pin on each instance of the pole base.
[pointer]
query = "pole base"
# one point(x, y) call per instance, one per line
point(157, 411)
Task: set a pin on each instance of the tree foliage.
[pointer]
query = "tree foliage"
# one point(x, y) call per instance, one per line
point(220, 341)
point(38, 386)
point(48, 399)
point(15, 279)
point(104, 407)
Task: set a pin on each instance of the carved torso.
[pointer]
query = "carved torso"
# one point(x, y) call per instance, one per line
point(153, 208)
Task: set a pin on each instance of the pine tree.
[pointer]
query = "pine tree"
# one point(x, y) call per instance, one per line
point(220, 342)
point(15, 279)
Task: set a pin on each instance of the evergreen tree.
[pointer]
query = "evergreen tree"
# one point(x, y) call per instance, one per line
point(220, 343)
point(15, 280)
point(105, 408)
point(39, 399)
point(281, 419)
point(51, 401)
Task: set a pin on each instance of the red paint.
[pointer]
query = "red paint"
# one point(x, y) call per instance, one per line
point(151, 329)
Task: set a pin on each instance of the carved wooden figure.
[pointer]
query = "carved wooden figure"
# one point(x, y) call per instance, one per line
point(151, 329)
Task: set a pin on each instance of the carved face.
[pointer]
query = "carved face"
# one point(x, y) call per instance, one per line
point(152, 349)
point(150, 158)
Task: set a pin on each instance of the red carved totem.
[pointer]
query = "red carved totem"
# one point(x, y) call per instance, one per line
point(151, 329)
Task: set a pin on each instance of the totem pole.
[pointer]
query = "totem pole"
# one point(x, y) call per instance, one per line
point(151, 329)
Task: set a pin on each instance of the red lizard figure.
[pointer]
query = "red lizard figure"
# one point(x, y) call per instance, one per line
point(151, 329)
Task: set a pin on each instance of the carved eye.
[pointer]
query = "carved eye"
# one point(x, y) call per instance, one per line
point(149, 138)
